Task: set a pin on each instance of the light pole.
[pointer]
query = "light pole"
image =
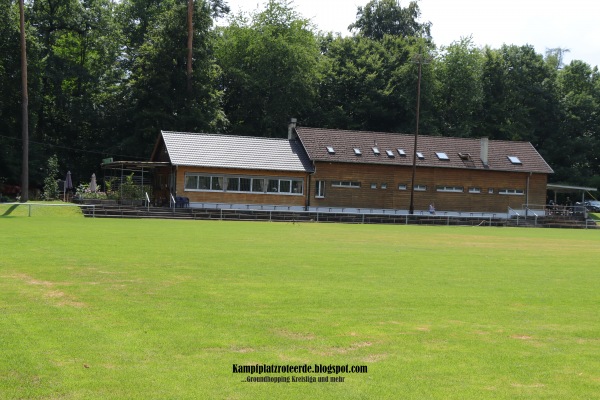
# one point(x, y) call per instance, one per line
point(419, 60)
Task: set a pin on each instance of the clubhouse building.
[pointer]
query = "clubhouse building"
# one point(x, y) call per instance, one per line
point(348, 170)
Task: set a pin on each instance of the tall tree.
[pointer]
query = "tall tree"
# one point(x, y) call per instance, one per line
point(269, 65)
point(387, 17)
point(459, 75)
point(519, 95)
point(161, 92)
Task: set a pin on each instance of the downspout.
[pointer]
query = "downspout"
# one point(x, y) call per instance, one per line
point(527, 195)
point(307, 202)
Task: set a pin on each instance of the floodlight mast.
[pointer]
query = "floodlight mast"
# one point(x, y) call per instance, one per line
point(420, 60)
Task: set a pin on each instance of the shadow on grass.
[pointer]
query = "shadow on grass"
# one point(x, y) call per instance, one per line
point(10, 210)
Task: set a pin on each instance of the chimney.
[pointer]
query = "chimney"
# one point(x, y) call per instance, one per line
point(291, 127)
point(484, 150)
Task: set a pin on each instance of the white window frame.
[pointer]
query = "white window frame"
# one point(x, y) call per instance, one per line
point(345, 184)
point(402, 186)
point(320, 190)
point(511, 192)
point(474, 190)
point(264, 182)
point(442, 156)
point(420, 188)
point(450, 189)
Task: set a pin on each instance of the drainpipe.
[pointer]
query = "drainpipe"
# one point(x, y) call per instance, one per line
point(527, 195)
point(307, 202)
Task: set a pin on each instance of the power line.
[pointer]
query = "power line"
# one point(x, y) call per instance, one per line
point(104, 153)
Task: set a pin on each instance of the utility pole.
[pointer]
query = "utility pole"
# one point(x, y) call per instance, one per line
point(420, 60)
point(24, 110)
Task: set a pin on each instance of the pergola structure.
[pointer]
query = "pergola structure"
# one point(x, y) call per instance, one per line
point(122, 169)
point(557, 188)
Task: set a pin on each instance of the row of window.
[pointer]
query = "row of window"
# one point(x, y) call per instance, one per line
point(320, 188)
point(224, 183)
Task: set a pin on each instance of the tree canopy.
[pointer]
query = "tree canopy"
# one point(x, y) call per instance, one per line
point(106, 76)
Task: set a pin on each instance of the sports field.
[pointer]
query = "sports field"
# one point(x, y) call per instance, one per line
point(155, 309)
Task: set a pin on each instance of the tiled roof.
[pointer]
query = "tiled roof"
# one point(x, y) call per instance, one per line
point(243, 152)
point(316, 141)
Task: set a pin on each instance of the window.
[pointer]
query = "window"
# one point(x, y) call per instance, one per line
point(384, 185)
point(330, 150)
point(216, 183)
point(202, 182)
point(373, 186)
point(514, 160)
point(402, 186)
point(345, 184)
point(320, 189)
point(245, 184)
point(420, 156)
point(357, 151)
point(474, 190)
point(191, 182)
point(233, 184)
point(401, 152)
point(491, 191)
point(286, 186)
point(451, 189)
point(390, 153)
point(297, 186)
point(375, 151)
point(258, 185)
point(442, 156)
point(513, 192)
point(420, 188)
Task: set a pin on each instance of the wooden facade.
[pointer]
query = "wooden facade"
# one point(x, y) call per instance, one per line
point(388, 187)
point(224, 195)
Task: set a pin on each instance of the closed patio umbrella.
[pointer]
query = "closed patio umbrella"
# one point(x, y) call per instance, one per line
point(67, 186)
point(93, 185)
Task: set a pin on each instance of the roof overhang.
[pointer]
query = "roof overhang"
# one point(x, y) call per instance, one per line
point(135, 165)
point(569, 188)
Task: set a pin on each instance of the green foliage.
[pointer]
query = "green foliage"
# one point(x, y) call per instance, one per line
point(269, 66)
point(459, 72)
point(386, 17)
point(50, 182)
point(105, 76)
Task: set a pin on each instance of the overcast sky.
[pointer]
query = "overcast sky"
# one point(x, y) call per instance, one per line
point(569, 24)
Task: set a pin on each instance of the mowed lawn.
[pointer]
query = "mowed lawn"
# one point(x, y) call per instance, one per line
point(154, 309)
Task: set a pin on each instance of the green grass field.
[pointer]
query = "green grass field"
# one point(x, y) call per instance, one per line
point(154, 309)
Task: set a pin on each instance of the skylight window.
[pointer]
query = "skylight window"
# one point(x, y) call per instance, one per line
point(376, 151)
point(401, 152)
point(390, 153)
point(420, 155)
point(330, 150)
point(442, 156)
point(357, 151)
point(514, 160)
